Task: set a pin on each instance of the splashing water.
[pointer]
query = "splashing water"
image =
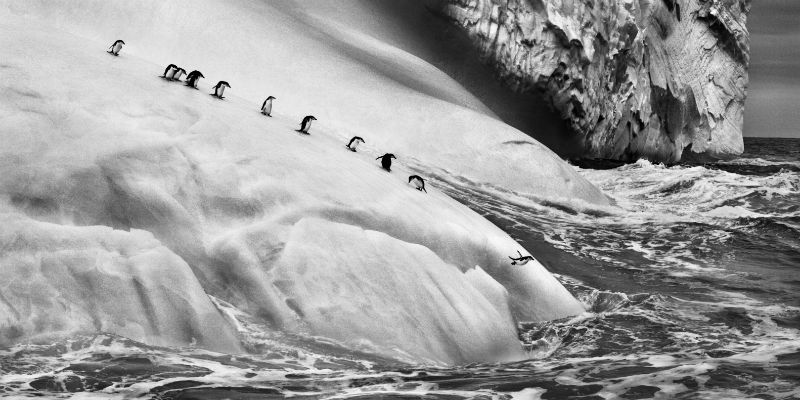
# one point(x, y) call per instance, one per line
point(689, 284)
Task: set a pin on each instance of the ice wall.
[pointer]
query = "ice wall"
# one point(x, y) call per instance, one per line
point(165, 194)
point(65, 279)
point(634, 78)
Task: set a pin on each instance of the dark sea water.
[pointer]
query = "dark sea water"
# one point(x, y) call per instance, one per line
point(691, 283)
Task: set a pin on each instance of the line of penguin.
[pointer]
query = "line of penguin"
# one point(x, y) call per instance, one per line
point(174, 73)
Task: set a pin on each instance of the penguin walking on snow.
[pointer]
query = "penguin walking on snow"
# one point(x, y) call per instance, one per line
point(219, 89)
point(176, 76)
point(521, 260)
point(354, 142)
point(305, 124)
point(170, 71)
point(266, 108)
point(418, 182)
point(116, 47)
point(191, 79)
point(386, 161)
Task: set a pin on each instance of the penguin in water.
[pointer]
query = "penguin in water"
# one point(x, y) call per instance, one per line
point(305, 125)
point(191, 79)
point(386, 161)
point(418, 182)
point(176, 76)
point(266, 108)
point(116, 47)
point(354, 142)
point(521, 260)
point(219, 89)
point(170, 71)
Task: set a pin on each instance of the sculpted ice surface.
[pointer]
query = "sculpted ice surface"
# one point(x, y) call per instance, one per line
point(127, 198)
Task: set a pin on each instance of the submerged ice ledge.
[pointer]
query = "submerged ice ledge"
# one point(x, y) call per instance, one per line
point(209, 197)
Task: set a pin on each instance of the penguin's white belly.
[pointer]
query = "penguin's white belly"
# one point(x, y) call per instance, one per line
point(417, 183)
point(267, 108)
point(355, 144)
point(177, 75)
point(220, 90)
point(117, 47)
point(523, 262)
point(171, 73)
point(308, 125)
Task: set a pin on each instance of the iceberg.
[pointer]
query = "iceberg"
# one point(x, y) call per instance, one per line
point(127, 200)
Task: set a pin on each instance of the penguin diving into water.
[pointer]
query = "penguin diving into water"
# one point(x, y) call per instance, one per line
point(418, 182)
point(170, 72)
point(305, 125)
point(386, 161)
point(354, 142)
point(521, 260)
point(191, 79)
point(266, 108)
point(116, 47)
point(219, 89)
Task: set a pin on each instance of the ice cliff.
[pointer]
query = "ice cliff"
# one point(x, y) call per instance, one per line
point(633, 78)
point(126, 201)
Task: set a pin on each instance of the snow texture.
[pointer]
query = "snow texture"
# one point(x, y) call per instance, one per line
point(126, 199)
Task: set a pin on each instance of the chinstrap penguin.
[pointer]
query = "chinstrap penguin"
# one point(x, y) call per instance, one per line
point(305, 125)
point(386, 161)
point(179, 72)
point(169, 71)
point(418, 182)
point(521, 260)
point(191, 79)
point(354, 142)
point(219, 89)
point(266, 108)
point(116, 47)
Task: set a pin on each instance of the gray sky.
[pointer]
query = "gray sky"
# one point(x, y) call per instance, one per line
point(773, 98)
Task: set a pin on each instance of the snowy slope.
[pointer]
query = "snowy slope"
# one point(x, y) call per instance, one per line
point(353, 83)
point(292, 229)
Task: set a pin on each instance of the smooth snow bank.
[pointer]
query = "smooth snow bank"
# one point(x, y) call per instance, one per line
point(295, 230)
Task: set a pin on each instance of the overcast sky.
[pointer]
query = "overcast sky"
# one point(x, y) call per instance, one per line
point(773, 98)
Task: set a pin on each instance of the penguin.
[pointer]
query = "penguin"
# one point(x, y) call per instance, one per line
point(521, 260)
point(266, 108)
point(191, 79)
point(353, 144)
point(170, 71)
point(386, 161)
point(419, 183)
point(305, 125)
point(176, 76)
point(219, 89)
point(116, 47)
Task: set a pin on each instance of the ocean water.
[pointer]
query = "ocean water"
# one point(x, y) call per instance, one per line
point(690, 283)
